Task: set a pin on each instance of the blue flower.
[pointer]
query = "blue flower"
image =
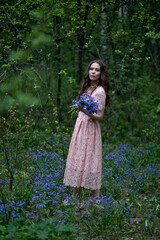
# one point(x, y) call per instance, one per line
point(54, 203)
point(41, 205)
point(87, 102)
point(14, 215)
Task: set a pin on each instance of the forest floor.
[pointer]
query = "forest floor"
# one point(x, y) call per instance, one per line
point(39, 206)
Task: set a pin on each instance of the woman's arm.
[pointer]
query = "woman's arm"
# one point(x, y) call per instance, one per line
point(100, 97)
point(96, 116)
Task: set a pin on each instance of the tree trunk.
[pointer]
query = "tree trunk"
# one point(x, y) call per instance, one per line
point(81, 37)
point(58, 61)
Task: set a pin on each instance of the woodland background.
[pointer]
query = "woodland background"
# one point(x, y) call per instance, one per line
point(45, 47)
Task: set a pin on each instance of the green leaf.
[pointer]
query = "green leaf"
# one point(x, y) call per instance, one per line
point(40, 40)
point(42, 234)
point(26, 99)
point(19, 55)
point(67, 228)
point(2, 229)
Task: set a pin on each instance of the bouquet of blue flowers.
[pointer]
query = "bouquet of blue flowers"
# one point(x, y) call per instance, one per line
point(87, 102)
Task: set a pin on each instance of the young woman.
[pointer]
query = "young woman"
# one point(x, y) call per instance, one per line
point(84, 161)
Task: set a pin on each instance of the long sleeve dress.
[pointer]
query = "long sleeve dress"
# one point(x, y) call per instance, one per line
point(84, 160)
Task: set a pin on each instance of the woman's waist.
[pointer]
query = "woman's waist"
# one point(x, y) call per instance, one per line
point(85, 117)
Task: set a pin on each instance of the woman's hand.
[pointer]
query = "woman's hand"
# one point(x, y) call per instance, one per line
point(96, 116)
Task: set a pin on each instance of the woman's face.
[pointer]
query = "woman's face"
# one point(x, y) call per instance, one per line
point(94, 72)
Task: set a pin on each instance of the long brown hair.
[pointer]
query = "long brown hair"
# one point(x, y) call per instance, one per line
point(103, 81)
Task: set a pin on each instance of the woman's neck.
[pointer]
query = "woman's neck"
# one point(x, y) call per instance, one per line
point(94, 83)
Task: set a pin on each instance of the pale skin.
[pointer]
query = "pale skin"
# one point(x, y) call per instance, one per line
point(94, 75)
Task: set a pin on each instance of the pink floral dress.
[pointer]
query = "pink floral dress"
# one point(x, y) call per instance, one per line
point(84, 161)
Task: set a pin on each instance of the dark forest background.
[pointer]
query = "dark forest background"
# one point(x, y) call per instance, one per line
point(45, 47)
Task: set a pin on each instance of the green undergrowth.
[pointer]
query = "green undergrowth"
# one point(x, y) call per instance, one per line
point(39, 206)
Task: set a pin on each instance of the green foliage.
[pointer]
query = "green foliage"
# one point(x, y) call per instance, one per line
point(45, 46)
point(40, 231)
point(129, 202)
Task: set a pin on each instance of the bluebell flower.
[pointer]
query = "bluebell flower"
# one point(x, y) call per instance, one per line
point(87, 102)
point(14, 215)
point(54, 202)
point(41, 205)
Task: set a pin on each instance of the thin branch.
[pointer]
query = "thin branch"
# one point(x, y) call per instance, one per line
point(3, 75)
point(8, 167)
point(96, 48)
point(51, 94)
